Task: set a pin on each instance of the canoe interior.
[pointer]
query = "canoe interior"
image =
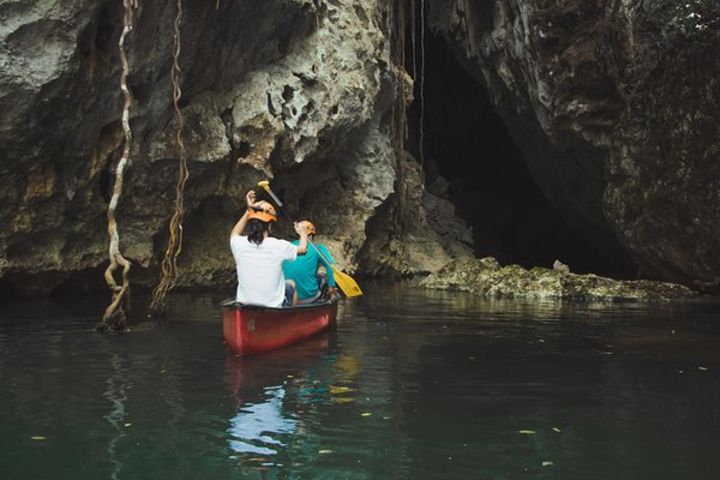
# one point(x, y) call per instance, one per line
point(252, 329)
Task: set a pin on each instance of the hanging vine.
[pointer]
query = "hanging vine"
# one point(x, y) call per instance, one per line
point(115, 317)
point(400, 114)
point(413, 29)
point(422, 81)
point(169, 265)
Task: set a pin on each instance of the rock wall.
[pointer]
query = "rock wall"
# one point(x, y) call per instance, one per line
point(299, 91)
point(616, 106)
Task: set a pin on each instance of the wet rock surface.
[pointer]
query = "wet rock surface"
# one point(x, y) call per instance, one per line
point(488, 278)
point(417, 236)
point(297, 91)
point(616, 107)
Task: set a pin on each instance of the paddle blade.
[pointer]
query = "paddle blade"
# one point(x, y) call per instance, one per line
point(346, 284)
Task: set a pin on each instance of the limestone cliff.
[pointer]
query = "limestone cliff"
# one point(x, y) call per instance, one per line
point(299, 91)
point(616, 107)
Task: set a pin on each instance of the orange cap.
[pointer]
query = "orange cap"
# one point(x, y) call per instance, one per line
point(309, 227)
point(263, 211)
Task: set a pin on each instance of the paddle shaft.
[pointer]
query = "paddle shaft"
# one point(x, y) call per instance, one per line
point(266, 187)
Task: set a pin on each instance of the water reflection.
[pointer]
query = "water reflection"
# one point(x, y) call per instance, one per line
point(262, 386)
point(257, 425)
point(414, 385)
point(116, 393)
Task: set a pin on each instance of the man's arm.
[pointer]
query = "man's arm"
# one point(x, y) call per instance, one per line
point(240, 225)
point(302, 246)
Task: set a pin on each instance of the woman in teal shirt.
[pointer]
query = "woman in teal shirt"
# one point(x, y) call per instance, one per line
point(304, 270)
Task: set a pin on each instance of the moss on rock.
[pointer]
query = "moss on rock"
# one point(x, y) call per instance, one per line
point(485, 276)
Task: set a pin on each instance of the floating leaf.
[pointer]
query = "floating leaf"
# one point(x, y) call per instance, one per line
point(527, 432)
point(325, 451)
point(366, 414)
point(128, 424)
point(556, 429)
point(335, 389)
point(703, 369)
point(547, 464)
point(38, 437)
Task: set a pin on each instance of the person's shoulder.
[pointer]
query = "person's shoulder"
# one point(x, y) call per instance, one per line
point(237, 239)
point(277, 242)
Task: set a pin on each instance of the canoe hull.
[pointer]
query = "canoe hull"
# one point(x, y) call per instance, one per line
point(250, 330)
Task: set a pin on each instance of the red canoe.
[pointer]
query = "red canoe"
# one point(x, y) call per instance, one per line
point(251, 329)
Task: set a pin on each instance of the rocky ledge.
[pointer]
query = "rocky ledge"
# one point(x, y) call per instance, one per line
point(488, 278)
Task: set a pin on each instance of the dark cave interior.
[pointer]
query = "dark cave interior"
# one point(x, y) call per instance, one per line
point(471, 160)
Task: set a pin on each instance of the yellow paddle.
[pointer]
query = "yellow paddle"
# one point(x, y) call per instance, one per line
point(344, 281)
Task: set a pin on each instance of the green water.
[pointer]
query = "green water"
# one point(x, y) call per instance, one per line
point(412, 385)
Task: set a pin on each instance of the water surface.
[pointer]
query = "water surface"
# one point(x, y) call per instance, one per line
point(412, 385)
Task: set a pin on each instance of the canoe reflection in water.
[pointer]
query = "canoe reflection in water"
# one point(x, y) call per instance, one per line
point(270, 389)
point(259, 423)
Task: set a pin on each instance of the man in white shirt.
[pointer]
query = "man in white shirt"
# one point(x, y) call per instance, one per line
point(259, 257)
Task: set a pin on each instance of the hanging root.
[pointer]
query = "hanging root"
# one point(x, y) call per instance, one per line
point(422, 83)
point(400, 115)
point(115, 317)
point(169, 267)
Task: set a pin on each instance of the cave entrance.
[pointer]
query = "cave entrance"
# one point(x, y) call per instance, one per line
point(472, 161)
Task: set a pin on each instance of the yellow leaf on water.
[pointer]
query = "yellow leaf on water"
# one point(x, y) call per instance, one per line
point(335, 389)
point(527, 432)
point(38, 437)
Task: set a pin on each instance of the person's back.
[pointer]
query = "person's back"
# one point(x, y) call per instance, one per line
point(304, 269)
point(259, 257)
point(259, 270)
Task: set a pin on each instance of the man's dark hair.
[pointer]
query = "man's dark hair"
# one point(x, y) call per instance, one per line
point(256, 230)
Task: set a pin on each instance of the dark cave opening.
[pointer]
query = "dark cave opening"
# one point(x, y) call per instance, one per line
point(471, 160)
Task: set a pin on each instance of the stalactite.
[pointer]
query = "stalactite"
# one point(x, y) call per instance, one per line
point(115, 316)
point(169, 267)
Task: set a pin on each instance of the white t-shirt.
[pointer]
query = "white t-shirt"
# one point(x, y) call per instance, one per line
point(259, 269)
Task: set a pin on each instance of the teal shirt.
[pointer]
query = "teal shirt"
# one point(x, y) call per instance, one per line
point(304, 270)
